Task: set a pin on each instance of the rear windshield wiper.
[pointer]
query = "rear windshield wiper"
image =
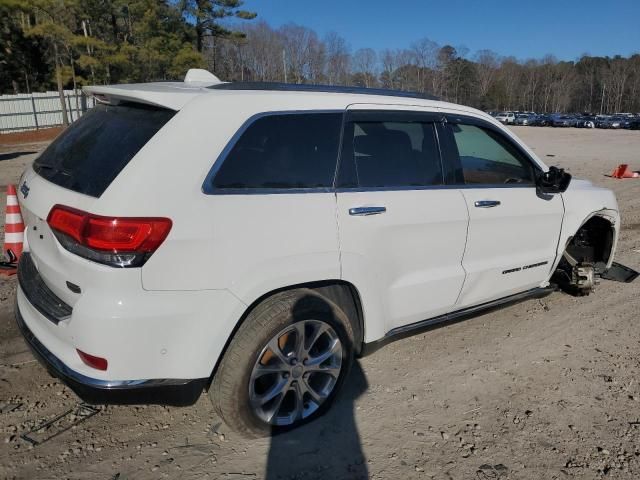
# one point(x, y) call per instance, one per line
point(42, 165)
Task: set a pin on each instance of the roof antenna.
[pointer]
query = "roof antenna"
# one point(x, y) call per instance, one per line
point(200, 77)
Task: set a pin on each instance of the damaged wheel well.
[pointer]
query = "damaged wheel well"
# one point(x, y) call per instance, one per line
point(585, 257)
point(592, 243)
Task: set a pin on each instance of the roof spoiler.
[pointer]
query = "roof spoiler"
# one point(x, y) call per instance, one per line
point(200, 77)
point(172, 95)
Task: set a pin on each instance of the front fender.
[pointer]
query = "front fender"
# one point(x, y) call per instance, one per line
point(583, 201)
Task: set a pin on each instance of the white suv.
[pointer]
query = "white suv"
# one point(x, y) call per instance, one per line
point(506, 117)
point(251, 239)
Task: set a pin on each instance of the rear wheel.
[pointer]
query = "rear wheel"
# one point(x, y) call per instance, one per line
point(285, 365)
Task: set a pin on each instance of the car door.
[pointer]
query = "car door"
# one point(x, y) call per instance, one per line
point(402, 232)
point(513, 230)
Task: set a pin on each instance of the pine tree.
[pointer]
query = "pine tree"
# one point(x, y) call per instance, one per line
point(54, 23)
point(207, 14)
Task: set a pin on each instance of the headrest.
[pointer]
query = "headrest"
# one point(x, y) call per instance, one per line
point(382, 141)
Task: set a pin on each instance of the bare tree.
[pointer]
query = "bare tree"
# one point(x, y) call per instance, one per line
point(365, 62)
point(389, 65)
point(487, 63)
point(619, 75)
point(634, 84)
point(405, 74)
point(425, 53)
point(262, 48)
point(302, 48)
point(337, 58)
point(484, 80)
point(532, 79)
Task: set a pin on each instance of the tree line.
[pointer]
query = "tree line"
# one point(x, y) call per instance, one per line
point(60, 44)
point(482, 79)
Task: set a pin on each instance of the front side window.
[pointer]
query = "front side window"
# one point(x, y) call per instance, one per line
point(486, 157)
point(391, 154)
point(283, 151)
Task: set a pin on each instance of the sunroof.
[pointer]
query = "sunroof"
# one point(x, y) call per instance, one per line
point(293, 87)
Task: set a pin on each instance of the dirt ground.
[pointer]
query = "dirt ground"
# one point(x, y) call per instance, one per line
point(547, 389)
point(29, 136)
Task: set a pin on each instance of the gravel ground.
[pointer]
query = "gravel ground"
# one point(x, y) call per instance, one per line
point(547, 389)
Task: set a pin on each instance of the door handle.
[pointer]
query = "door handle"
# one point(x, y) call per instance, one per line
point(486, 203)
point(366, 211)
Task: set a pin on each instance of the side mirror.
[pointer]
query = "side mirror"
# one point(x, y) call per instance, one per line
point(556, 180)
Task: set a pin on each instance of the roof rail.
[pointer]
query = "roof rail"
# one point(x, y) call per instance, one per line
point(304, 87)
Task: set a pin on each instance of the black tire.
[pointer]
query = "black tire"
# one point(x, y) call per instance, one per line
point(229, 391)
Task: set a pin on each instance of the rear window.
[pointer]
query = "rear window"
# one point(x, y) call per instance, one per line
point(91, 153)
point(394, 154)
point(283, 151)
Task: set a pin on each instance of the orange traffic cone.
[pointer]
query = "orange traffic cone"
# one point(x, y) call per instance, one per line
point(623, 171)
point(13, 233)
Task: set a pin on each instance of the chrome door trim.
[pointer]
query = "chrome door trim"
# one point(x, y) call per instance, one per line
point(366, 211)
point(486, 203)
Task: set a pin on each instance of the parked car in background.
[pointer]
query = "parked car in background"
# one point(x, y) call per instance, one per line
point(508, 118)
point(634, 123)
point(541, 120)
point(620, 122)
point(614, 122)
point(524, 119)
point(564, 121)
point(586, 121)
point(602, 121)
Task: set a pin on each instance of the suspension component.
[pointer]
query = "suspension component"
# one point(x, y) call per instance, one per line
point(583, 278)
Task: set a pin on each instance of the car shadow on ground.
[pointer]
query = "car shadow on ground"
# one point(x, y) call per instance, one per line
point(12, 155)
point(328, 447)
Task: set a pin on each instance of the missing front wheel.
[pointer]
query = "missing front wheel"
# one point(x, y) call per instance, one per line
point(579, 279)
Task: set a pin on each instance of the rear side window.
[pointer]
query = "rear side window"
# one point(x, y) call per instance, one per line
point(488, 158)
point(390, 154)
point(91, 153)
point(283, 151)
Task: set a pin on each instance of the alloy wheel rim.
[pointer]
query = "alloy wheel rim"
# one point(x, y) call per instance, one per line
point(295, 373)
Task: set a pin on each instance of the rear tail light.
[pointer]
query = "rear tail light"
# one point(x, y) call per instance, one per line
point(114, 241)
point(98, 363)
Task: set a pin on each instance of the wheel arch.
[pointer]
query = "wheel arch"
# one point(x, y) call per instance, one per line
point(603, 228)
point(339, 292)
point(604, 225)
point(600, 233)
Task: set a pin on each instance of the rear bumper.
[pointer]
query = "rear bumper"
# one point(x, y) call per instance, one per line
point(157, 391)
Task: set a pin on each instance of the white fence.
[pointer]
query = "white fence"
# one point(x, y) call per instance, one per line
point(39, 110)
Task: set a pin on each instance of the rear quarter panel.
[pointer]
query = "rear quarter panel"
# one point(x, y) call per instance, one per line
point(249, 244)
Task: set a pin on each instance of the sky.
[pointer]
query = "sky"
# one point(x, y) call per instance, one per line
point(524, 29)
